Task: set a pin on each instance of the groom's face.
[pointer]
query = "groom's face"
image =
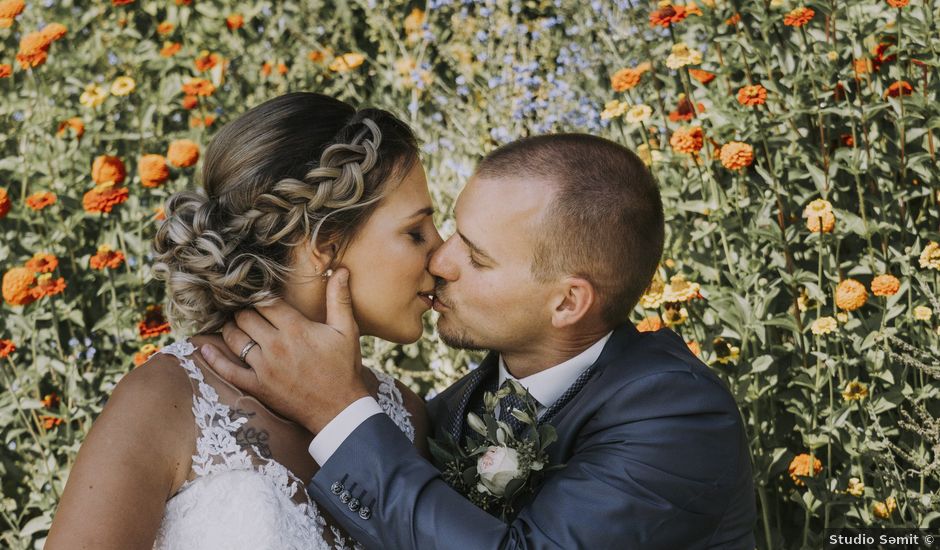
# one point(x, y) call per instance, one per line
point(487, 296)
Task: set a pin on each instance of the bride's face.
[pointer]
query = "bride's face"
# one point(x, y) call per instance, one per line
point(388, 259)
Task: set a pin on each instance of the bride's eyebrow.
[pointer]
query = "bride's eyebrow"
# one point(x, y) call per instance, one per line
point(426, 211)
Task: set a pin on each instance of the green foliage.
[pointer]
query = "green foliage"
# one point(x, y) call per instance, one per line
point(753, 281)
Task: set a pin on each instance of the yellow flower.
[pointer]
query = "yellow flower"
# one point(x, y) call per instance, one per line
point(884, 509)
point(123, 85)
point(675, 316)
point(819, 216)
point(724, 352)
point(638, 113)
point(93, 96)
point(347, 62)
point(930, 257)
point(680, 290)
point(648, 158)
point(855, 391)
point(923, 313)
point(842, 316)
point(824, 325)
point(681, 56)
point(833, 55)
point(653, 297)
point(613, 109)
point(856, 488)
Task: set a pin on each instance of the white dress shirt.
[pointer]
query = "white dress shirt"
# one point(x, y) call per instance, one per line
point(545, 386)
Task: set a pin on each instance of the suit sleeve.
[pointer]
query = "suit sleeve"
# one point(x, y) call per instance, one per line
point(656, 467)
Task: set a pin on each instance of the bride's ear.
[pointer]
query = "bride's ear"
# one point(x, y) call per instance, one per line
point(321, 254)
point(573, 302)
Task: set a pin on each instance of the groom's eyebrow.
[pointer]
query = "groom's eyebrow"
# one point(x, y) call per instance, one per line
point(476, 249)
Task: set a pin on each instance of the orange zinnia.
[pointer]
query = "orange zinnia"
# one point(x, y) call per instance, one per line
point(53, 31)
point(885, 285)
point(108, 169)
point(146, 351)
point(234, 21)
point(121, 2)
point(733, 20)
point(153, 170)
point(9, 9)
point(165, 28)
point(798, 17)
point(651, 323)
point(183, 153)
point(75, 124)
point(688, 140)
point(666, 15)
point(47, 286)
point(200, 122)
point(206, 60)
point(626, 79)
point(702, 76)
point(170, 49)
point(800, 466)
point(106, 258)
point(685, 111)
point(850, 295)
point(34, 49)
point(899, 88)
point(40, 200)
point(198, 87)
point(42, 262)
point(736, 155)
point(159, 214)
point(897, 3)
point(154, 323)
point(5, 70)
point(6, 347)
point(5, 203)
point(750, 96)
point(189, 102)
point(103, 198)
point(17, 285)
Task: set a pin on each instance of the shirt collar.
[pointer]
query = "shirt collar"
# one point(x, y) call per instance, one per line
point(548, 385)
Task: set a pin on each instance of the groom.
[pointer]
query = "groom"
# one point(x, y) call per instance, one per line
point(557, 238)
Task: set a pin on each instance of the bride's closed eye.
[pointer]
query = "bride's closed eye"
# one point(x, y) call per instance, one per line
point(417, 236)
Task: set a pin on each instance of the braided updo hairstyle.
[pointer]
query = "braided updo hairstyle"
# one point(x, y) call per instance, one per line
point(302, 167)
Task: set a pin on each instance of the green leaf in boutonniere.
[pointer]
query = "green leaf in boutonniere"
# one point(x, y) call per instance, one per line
point(496, 468)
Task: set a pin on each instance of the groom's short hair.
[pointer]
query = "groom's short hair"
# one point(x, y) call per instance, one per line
point(605, 222)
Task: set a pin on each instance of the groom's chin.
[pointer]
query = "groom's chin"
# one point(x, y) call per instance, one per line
point(458, 339)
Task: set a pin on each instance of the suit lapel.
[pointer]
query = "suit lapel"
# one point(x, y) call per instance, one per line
point(462, 398)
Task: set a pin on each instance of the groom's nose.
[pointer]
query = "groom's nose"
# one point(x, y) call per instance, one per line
point(442, 263)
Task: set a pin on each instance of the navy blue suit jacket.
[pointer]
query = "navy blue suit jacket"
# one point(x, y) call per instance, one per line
point(654, 450)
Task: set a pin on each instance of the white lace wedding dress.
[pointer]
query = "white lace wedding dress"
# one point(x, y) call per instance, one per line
point(239, 495)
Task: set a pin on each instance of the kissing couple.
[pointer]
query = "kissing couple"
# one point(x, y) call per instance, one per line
point(313, 227)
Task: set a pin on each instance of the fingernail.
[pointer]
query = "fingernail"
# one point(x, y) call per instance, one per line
point(344, 276)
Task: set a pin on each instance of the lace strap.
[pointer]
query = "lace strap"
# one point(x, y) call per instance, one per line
point(392, 402)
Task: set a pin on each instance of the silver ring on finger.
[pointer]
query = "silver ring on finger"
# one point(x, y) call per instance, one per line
point(251, 343)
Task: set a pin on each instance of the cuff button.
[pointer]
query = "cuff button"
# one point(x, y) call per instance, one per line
point(353, 505)
point(345, 497)
point(365, 512)
point(336, 488)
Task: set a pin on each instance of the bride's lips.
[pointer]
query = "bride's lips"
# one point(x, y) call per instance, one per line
point(427, 298)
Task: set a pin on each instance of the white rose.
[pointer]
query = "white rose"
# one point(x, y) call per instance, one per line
point(497, 468)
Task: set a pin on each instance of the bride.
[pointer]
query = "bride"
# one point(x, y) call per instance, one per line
point(294, 188)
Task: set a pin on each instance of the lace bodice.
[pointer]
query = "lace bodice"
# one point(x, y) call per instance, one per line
point(239, 494)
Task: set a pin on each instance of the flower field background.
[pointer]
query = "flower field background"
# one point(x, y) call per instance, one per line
point(795, 144)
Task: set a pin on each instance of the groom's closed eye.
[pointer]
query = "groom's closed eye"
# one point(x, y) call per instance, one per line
point(478, 258)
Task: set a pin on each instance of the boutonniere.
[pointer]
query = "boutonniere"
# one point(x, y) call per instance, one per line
point(496, 467)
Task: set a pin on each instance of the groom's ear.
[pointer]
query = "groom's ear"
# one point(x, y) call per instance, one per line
point(575, 300)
